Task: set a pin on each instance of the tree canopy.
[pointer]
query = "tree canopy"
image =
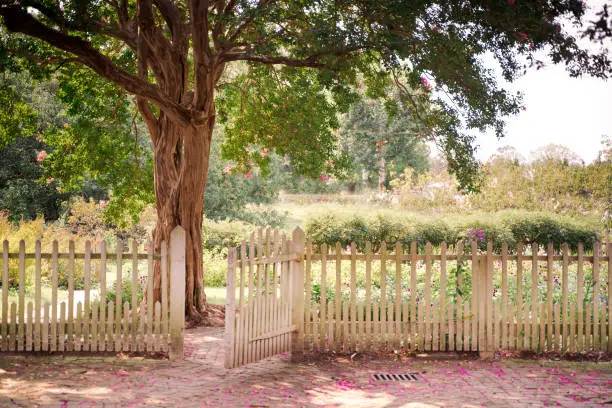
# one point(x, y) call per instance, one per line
point(136, 44)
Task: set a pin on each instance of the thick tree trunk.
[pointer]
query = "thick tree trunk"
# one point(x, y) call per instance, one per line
point(181, 167)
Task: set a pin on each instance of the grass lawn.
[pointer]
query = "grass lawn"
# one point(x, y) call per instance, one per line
point(215, 296)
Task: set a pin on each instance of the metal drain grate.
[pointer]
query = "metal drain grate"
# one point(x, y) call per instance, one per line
point(395, 377)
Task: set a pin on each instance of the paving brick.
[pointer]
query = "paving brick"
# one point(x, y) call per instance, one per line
point(201, 381)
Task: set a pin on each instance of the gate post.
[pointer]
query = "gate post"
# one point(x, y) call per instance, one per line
point(177, 292)
point(484, 298)
point(297, 295)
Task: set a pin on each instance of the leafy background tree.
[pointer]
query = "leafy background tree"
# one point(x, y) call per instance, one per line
point(381, 142)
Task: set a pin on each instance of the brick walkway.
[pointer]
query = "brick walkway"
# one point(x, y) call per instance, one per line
point(201, 381)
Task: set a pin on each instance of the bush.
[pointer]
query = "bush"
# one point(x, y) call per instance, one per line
point(263, 217)
point(223, 234)
point(126, 291)
point(510, 227)
point(215, 267)
point(543, 228)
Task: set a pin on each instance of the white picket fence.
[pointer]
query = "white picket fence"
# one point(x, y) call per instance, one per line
point(319, 299)
point(496, 316)
point(93, 324)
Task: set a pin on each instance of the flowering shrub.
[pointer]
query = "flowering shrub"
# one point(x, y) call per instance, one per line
point(475, 234)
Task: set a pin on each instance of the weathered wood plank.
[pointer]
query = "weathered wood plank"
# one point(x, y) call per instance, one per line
point(37, 297)
point(21, 309)
point(580, 298)
point(5, 287)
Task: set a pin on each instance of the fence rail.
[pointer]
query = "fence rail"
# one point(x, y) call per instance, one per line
point(88, 319)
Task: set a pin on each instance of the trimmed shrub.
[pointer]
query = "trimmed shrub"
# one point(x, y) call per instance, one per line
point(510, 227)
point(223, 234)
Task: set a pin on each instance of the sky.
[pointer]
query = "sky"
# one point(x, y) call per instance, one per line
point(574, 112)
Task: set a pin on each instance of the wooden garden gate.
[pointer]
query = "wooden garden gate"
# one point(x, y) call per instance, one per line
point(264, 313)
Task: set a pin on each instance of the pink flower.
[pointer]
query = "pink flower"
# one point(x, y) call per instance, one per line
point(522, 36)
point(425, 83)
point(228, 169)
point(42, 155)
point(50, 180)
point(523, 107)
point(264, 152)
point(103, 204)
point(330, 163)
point(321, 177)
point(250, 161)
point(511, 2)
point(248, 174)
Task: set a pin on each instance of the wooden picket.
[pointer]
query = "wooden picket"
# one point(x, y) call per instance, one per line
point(89, 322)
point(496, 310)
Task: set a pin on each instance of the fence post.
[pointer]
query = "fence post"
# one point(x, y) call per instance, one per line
point(297, 298)
point(483, 300)
point(230, 308)
point(177, 292)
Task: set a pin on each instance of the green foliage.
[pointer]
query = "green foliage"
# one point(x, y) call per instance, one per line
point(223, 234)
point(102, 139)
point(17, 118)
point(510, 227)
point(24, 192)
point(263, 217)
point(63, 275)
point(215, 267)
point(283, 109)
point(372, 131)
point(527, 228)
point(228, 191)
point(126, 291)
point(555, 180)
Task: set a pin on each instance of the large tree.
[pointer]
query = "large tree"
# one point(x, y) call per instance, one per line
point(300, 62)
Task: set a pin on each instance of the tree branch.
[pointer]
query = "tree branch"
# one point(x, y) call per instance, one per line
point(174, 17)
point(202, 56)
point(312, 61)
point(149, 117)
point(17, 19)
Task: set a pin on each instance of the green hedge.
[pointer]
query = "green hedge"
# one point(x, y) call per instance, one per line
point(223, 234)
point(510, 227)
